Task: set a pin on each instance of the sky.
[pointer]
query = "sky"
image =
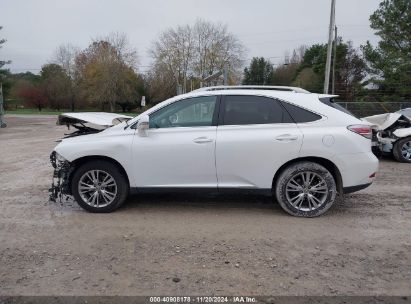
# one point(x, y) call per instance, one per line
point(268, 28)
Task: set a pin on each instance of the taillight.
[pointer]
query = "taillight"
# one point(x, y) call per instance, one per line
point(362, 130)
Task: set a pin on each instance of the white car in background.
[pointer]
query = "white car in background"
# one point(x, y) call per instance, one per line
point(298, 146)
point(406, 112)
point(393, 134)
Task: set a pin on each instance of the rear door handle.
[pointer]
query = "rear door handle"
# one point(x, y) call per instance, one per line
point(286, 137)
point(202, 140)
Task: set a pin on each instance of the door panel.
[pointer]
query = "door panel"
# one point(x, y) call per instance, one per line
point(175, 157)
point(255, 138)
point(249, 156)
point(179, 150)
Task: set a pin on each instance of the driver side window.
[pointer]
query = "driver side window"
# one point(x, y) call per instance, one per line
point(190, 112)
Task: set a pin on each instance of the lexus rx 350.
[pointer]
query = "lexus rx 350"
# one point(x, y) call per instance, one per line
point(298, 146)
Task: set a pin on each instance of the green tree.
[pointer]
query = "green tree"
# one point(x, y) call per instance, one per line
point(313, 63)
point(6, 82)
point(105, 73)
point(6, 87)
point(3, 62)
point(349, 74)
point(260, 72)
point(308, 79)
point(286, 72)
point(130, 89)
point(65, 56)
point(390, 61)
point(56, 85)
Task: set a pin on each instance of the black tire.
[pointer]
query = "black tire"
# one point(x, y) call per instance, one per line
point(121, 182)
point(307, 208)
point(398, 149)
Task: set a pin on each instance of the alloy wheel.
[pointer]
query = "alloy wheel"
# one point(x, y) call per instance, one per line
point(306, 191)
point(97, 188)
point(406, 150)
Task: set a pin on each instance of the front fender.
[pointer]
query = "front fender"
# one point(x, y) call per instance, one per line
point(115, 146)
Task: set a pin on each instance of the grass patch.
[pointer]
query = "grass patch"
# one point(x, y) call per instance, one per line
point(34, 112)
point(55, 112)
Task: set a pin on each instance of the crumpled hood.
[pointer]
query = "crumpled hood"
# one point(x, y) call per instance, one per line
point(384, 121)
point(101, 119)
point(399, 124)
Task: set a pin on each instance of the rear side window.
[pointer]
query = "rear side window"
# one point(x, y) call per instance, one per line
point(247, 110)
point(330, 102)
point(300, 115)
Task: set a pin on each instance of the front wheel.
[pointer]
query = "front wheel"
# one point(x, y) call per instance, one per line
point(305, 189)
point(402, 150)
point(99, 186)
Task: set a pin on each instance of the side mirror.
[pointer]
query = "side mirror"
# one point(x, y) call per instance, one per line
point(143, 125)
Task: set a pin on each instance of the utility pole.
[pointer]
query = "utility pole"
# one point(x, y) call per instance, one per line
point(225, 74)
point(179, 87)
point(329, 49)
point(334, 60)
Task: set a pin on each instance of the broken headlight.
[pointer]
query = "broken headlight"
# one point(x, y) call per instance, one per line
point(57, 160)
point(61, 174)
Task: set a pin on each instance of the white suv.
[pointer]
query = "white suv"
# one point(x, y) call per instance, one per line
point(298, 146)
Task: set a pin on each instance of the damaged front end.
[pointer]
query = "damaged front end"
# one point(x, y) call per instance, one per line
point(60, 187)
point(388, 128)
point(84, 123)
point(89, 122)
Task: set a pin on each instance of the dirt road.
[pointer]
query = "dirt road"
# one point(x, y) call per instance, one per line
point(192, 244)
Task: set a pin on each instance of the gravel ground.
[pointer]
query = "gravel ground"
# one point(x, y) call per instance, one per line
point(191, 244)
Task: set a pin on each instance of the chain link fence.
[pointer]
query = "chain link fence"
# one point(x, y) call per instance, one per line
point(363, 109)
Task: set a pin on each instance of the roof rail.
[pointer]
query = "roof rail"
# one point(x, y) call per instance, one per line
point(254, 87)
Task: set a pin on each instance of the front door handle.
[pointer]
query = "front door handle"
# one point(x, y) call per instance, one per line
point(202, 140)
point(286, 137)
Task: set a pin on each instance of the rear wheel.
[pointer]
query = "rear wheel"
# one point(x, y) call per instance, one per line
point(99, 186)
point(402, 150)
point(305, 189)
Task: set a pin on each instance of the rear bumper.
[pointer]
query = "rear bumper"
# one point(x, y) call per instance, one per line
point(357, 169)
point(352, 189)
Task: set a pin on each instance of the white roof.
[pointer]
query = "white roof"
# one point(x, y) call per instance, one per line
point(253, 87)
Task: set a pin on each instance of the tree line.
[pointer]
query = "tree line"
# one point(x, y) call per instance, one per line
point(381, 73)
point(106, 76)
point(102, 76)
point(305, 68)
